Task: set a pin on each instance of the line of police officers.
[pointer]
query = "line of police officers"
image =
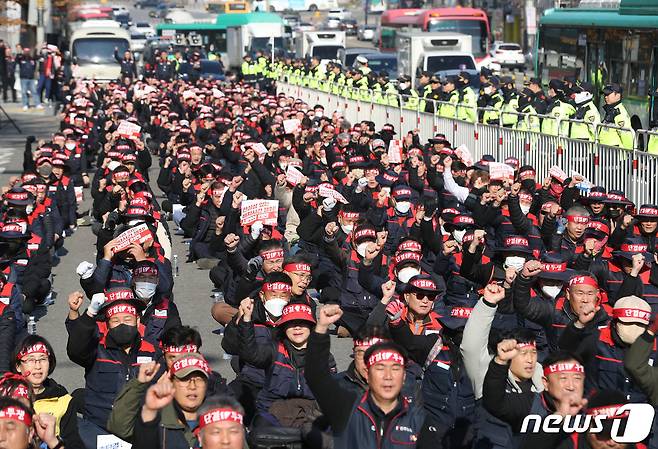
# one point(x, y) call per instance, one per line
point(498, 102)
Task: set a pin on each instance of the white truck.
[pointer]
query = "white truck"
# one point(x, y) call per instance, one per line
point(250, 37)
point(92, 50)
point(323, 44)
point(433, 52)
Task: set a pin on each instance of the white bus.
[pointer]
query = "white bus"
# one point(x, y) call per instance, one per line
point(92, 50)
point(293, 5)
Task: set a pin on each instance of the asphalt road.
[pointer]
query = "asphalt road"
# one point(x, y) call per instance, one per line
point(191, 288)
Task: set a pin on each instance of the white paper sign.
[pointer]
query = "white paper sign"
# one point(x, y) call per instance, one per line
point(265, 211)
point(395, 151)
point(499, 171)
point(557, 173)
point(129, 129)
point(293, 175)
point(463, 153)
point(292, 125)
point(327, 191)
point(111, 442)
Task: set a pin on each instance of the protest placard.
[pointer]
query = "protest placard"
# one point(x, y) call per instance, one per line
point(395, 151)
point(129, 129)
point(500, 172)
point(139, 234)
point(557, 173)
point(293, 175)
point(327, 191)
point(463, 153)
point(292, 125)
point(265, 211)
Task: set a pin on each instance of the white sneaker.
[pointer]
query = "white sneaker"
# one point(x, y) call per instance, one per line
point(25, 108)
point(39, 106)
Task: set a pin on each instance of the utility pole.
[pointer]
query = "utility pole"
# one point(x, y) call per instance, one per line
point(40, 22)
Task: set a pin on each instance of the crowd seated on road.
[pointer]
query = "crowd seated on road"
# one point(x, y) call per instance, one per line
point(476, 292)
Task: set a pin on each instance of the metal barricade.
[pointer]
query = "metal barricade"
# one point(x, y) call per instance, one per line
point(632, 171)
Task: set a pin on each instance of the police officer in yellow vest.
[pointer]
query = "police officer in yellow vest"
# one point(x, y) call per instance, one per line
point(339, 79)
point(615, 114)
point(390, 91)
point(407, 93)
point(435, 94)
point(330, 79)
point(508, 117)
point(558, 109)
point(586, 111)
point(248, 69)
point(448, 108)
point(491, 100)
point(424, 89)
point(361, 90)
point(529, 121)
point(467, 99)
point(315, 73)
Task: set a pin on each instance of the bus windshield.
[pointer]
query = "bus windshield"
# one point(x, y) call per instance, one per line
point(98, 50)
point(475, 28)
point(326, 51)
point(449, 62)
point(263, 43)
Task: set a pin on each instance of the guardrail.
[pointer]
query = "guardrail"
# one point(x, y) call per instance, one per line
point(632, 171)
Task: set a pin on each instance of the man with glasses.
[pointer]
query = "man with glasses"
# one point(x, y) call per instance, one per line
point(170, 410)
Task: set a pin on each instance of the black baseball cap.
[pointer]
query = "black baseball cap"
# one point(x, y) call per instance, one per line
point(613, 87)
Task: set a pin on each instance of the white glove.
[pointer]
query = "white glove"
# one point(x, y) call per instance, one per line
point(256, 229)
point(97, 302)
point(362, 183)
point(85, 269)
point(328, 204)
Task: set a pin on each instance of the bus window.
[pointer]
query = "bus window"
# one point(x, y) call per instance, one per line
point(326, 51)
point(562, 55)
point(475, 28)
point(98, 50)
point(236, 7)
point(457, 62)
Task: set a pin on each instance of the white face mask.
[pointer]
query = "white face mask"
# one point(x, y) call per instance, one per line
point(275, 306)
point(323, 160)
point(361, 248)
point(347, 228)
point(405, 274)
point(403, 206)
point(459, 235)
point(489, 90)
point(551, 290)
point(525, 208)
point(628, 333)
point(112, 165)
point(582, 97)
point(403, 86)
point(29, 209)
point(515, 262)
point(70, 146)
point(319, 114)
point(283, 165)
point(145, 290)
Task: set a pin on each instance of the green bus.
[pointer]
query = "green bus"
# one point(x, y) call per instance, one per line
point(604, 46)
point(206, 34)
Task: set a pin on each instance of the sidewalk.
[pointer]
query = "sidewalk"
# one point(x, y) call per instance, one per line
point(36, 122)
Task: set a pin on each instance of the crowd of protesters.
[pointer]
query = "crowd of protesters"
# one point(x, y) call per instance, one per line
point(476, 292)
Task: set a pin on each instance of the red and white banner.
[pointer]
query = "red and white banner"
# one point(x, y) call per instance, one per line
point(557, 173)
point(265, 211)
point(463, 153)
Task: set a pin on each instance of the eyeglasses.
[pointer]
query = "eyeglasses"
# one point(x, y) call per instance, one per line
point(197, 380)
point(33, 361)
point(303, 277)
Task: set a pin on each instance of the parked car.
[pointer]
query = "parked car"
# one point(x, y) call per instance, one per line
point(210, 70)
point(145, 28)
point(332, 23)
point(146, 3)
point(346, 56)
point(366, 32)
point(508, 54)
point(382, 62)
point(340, 14)
point(349, 26)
